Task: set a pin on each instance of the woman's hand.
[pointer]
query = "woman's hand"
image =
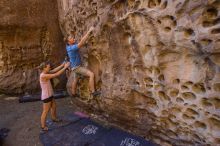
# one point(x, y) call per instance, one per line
point(63, 63)
point(67, 64)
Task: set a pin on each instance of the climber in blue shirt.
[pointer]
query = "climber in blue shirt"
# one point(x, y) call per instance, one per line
point(76, 65)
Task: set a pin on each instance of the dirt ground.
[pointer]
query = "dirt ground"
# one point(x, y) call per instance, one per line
point(23, 119)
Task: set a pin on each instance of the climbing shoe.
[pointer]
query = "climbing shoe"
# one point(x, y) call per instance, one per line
point(75, 96)
point(95, 93)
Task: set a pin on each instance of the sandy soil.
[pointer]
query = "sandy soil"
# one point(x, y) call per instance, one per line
point(23, 119)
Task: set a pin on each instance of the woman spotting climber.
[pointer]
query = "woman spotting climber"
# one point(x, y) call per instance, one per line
point(75, 62)
point(47, 90)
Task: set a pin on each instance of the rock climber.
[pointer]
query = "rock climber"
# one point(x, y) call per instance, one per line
point(76, 65)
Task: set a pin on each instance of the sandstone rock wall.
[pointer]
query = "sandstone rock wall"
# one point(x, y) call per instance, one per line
point(29, 34)
point(157, 63)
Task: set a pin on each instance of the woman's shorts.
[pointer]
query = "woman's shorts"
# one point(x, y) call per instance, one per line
point(49, 99)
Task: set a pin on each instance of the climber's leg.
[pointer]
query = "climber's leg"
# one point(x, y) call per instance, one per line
point(88, 73)
point(74, 84)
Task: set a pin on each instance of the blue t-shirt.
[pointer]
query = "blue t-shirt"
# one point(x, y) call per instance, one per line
point(74, 56)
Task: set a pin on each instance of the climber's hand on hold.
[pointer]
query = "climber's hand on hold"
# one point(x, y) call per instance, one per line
point(91, 29)
point(85, 37)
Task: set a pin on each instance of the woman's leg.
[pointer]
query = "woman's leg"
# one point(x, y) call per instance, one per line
point(46, 108)
point(53, 110)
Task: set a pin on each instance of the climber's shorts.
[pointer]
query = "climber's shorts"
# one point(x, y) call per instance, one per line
point(76, 73)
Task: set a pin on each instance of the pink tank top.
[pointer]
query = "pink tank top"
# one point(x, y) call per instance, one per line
point(46, 88)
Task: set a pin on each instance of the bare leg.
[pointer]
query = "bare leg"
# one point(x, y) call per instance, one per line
point(91, 76)
point(74, 85)
point(68, 72)
point(91, 81)
point(46, 108)
point(53, 110)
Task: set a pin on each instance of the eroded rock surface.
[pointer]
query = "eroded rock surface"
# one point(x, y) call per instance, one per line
point(157, 63)
point(29, 34)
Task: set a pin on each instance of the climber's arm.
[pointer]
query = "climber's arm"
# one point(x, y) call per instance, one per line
point(85, 37)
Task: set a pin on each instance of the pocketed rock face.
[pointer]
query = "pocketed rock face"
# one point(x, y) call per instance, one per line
point(157, 63)
point(29, 34)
